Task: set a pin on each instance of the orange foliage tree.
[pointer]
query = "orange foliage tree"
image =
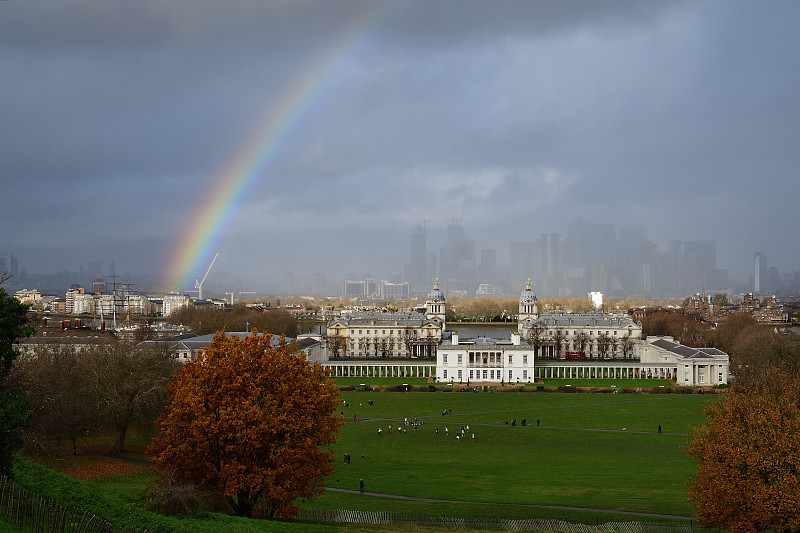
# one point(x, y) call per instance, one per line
point(252, 421)
point(748, 455)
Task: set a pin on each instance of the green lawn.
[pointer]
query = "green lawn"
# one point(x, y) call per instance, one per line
point(375, 382)
point(607, 383)
point(590, 451)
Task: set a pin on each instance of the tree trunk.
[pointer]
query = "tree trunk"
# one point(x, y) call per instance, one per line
point(122, 429)
point(243, 507)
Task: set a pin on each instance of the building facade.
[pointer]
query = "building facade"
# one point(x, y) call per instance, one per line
point(400, 334)
point(685, 365)
point(584, 336)
point(485, 360)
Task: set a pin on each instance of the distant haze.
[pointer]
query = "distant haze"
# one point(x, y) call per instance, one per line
point(513, 118)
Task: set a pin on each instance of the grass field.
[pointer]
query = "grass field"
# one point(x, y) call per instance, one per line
point(648, 384)
point(606, 383)
point(590, 451)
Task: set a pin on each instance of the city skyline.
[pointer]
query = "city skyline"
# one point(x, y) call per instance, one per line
point(588, 257)
point(313, 137)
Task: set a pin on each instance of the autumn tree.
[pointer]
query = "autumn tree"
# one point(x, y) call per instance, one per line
point(757, 348)
point(727, 331)
point(203, 321)
point(663, 323)
point(695, 334)
point(126, 383)
point(748, 456)
point(253, 421)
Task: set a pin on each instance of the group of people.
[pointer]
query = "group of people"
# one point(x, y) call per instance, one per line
point(461, 435)
point(415, 426)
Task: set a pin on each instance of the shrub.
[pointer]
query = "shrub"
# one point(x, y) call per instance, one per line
point(172, 499)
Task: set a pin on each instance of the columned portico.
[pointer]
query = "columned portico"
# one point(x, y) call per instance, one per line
point(604, 370)
point(383, 369)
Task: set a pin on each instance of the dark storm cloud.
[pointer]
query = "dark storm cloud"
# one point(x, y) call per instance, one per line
point(679, 116)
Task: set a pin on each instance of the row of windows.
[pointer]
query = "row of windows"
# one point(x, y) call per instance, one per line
point(387, 332)
point(485, 357)
point(591, 333)
point(487, 374)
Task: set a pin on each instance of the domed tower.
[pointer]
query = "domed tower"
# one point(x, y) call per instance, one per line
point(528, 305)
point(434, 305)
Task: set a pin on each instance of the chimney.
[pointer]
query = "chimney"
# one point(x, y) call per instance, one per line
point(455, 338)
point(515, 339)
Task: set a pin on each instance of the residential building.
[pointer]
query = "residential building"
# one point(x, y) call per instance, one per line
point(173, 302)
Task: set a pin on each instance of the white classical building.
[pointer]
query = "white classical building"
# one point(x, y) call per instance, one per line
point(551, 345)
point(687, 366)
point(587, 335)
point(401, 334)
point(484, 360)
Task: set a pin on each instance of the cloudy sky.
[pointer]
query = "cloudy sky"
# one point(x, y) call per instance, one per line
point(119, 119)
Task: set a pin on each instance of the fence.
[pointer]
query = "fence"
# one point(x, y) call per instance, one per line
point(29, 511)
point(538, 526)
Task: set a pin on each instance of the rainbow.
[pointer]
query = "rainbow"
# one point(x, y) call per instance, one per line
point(215, 214)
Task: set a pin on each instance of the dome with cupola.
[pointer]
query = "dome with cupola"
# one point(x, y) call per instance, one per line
point(527, 294)
point(436, 294)
point(528, 306)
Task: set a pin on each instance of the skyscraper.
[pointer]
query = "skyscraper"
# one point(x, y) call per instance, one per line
point(488, 266)
point(457, 257)
point(760, 285)
point(416, 271)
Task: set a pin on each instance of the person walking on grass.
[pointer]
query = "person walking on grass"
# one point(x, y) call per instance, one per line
point(361, 486)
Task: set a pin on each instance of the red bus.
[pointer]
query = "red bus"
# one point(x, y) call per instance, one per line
point(575, 356)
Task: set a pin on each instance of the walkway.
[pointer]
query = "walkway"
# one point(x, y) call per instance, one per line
point(556, 507)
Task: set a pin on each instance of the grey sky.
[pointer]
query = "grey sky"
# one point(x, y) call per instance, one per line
point(513, 117)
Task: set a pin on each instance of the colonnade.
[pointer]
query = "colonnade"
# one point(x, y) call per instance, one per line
point(381, 369)
point(584, 370)
point(543, 370)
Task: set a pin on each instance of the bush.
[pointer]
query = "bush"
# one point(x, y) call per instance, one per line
point(171, 498)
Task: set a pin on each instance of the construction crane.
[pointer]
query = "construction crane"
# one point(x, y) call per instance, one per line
point(199, 284)
point(238, 292)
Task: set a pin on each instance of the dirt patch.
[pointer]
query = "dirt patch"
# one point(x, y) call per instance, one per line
point(101, 468)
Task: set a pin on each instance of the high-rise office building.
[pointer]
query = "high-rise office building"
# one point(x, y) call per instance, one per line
point(416, 270)
point(457, 257)
point(760, 274)
point(488, 266)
